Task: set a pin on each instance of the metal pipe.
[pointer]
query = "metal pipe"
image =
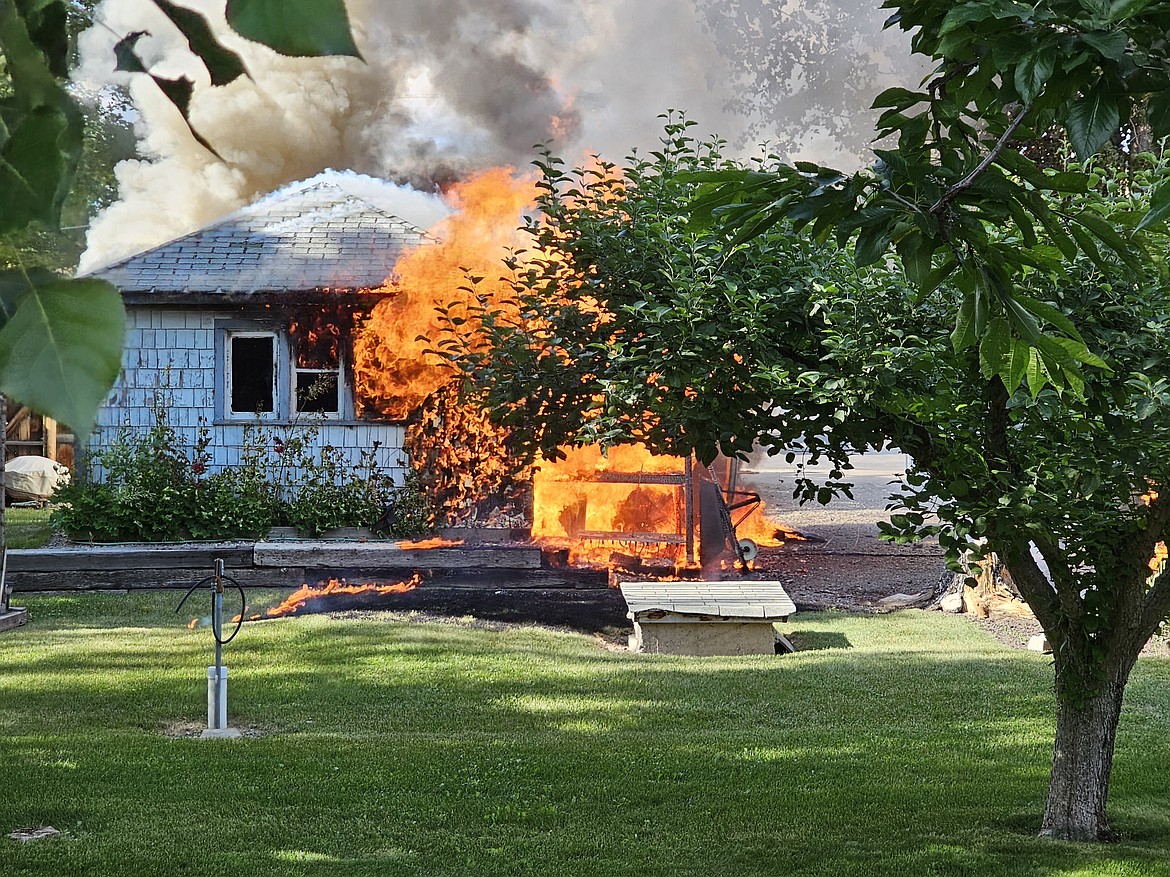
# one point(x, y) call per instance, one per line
point(219, 698)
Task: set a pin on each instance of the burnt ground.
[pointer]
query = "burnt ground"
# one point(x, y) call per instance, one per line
point(837, 568)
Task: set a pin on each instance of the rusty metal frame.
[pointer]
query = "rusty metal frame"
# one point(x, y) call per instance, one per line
point(688, 517)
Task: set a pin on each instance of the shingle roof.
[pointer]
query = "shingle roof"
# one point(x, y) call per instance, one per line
point(307, 236)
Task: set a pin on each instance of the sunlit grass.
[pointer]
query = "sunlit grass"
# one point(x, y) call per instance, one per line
point(903, 745)
point(27, 527)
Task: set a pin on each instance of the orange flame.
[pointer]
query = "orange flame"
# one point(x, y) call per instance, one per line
point(578, 504)
point(393, 370)
point(396, 372)
point(297, 601)
point(426, 544)
point(1158, 561)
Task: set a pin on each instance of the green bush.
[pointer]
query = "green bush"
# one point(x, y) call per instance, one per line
point(409, 512)
point(148, 494)
point(331, 495)
point(156, 489)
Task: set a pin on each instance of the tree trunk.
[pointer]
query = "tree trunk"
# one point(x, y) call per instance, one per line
point(1082, 763)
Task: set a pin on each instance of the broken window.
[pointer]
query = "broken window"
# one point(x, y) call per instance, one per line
point(318, 390)
point(317, 374)
point(251, 372)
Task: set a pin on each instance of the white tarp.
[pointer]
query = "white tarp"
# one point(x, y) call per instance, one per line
point(33, 478)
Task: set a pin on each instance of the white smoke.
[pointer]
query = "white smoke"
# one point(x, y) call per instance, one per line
point(447, 87)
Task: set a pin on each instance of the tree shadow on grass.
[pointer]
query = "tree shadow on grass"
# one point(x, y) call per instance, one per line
point(530, 752)
point(818, 640)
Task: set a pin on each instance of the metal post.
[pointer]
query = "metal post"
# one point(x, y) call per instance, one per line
point(689, 507)
point(217, 714)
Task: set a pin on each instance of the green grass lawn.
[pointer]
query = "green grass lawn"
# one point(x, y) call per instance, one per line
point(909, 744)
point(27, 527)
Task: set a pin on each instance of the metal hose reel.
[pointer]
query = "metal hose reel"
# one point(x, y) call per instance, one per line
point(217, 674)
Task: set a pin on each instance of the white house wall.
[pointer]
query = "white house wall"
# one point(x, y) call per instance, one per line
point(171, 354)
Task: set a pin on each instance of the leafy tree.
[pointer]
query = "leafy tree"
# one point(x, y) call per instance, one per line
point(1052, 386)
point(61, 338)
point(631, 322)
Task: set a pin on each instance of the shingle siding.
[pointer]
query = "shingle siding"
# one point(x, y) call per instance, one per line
point(307, 237)
point(177, 368)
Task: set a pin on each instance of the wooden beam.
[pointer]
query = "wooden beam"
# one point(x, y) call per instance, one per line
point(13, 618)
point(148, 579)
point(390, 555)
point(21, 414)
point(128, 557)
point(50, 433)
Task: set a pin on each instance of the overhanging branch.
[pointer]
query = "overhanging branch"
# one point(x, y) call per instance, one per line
point(968, 181)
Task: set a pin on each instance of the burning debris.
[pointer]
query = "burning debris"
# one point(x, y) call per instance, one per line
point(335, 595)
point(466, 463)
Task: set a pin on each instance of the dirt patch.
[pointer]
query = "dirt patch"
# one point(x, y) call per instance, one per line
point(188, 730)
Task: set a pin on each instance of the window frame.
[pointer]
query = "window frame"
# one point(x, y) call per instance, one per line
point(285, 372)
point(226, 337)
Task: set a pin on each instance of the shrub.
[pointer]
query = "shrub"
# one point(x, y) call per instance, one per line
point(157, 489)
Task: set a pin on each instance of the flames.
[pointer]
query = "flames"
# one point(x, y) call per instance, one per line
point(573, 504)
point(630, 505)
point(627, 500)
point(324, 597)
point(394, 370)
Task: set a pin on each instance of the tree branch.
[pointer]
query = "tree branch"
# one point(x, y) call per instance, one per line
point(968, 181)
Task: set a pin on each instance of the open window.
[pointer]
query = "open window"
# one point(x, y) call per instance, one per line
point(317, 367)
point(250, 374)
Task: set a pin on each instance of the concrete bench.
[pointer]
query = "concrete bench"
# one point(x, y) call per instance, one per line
point(706, 618)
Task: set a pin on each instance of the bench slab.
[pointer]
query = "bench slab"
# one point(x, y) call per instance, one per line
point(706, 618)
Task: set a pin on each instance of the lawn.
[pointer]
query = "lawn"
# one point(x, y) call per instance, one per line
point(26, 527)
point(908, 744)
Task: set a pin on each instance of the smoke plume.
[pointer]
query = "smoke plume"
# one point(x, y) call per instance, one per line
point(448, 87)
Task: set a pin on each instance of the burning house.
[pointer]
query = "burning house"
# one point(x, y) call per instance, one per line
point(250, 321)
point(315, 303)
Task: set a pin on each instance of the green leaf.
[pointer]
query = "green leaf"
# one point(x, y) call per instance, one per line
point(177, 91)
point(962, 14)
point(1120, 10)
point(916, 253)
point(1051, 223)
point(1037, 372)
point(1033, 72)
point(1078, 351)
point(222, 64)
point(43, 128)
point(872, 241)
point(1110, 44)
point(898, 99)
point(61, 350)
point(1014, 366)
point(125, 57)
point(13, 286)
point(1092, 120)
point(996, 344)
point(963, 335)
point(47, 23)
point(36, 164)
point(1159, 206)
point(1158, 113)
point(301, 28)
point(1108, 235)
point(1050, 314)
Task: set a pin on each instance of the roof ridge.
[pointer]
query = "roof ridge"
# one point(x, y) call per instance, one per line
point(321, 180)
